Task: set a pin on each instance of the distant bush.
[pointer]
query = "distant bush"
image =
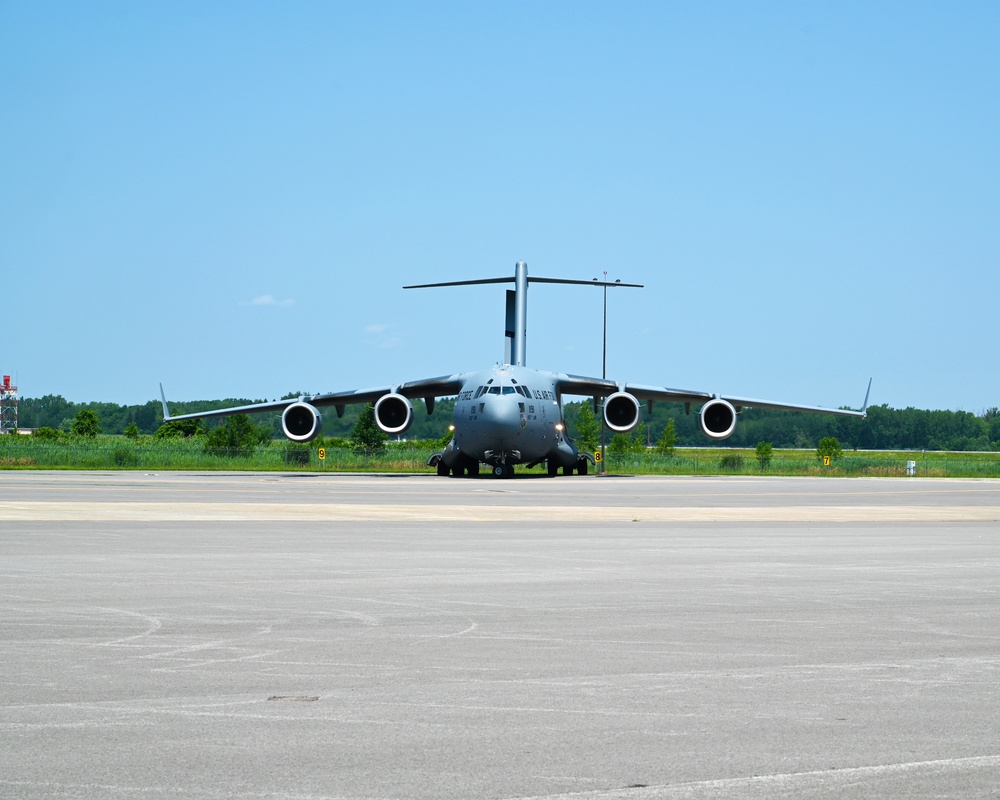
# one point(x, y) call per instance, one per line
point(764, 453)
point(367, 436)
point(733, 463)
point(125, 456)
point(238, 436)
point(829, 447)
point(183, 428)
point(46, 434)
point(85, 423)
point(298, 454)
point(666, 445)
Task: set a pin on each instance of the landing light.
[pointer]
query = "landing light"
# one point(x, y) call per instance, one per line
point(559, 426)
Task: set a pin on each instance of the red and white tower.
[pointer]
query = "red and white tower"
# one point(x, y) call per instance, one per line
point(8, 406)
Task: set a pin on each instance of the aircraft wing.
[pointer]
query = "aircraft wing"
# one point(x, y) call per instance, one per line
point(254, 408)
point(577, 384)
point(598, 387)
point(444, 386)
point(745, 402)
point(601, 387)
point(427, 388)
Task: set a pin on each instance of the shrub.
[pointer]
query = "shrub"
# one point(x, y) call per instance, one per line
point(125, 456)
point(85, 423)
point(731, 462)
point(297, 454)
point(666, 445)
point(238, 436)
point(764, 453)
point(367, 436)
point(180, 428)
point(828, 446)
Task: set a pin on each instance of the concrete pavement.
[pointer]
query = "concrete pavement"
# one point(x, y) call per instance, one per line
point(289, 636)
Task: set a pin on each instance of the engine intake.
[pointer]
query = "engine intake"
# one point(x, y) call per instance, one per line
point(393, 413)
point(718, 419)
point(301, 422)
point(621, 412)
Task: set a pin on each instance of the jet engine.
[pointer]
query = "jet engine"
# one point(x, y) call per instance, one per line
point(301, 422)
point(718, 419)
point(393, 413)
point(621, 412)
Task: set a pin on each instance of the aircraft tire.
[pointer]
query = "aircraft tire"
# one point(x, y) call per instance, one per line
point(581, 467)
point(458, 471)
point(567, 470)
point(442, 469)
point(553, 468)
point(474, 469)
point(499, 471)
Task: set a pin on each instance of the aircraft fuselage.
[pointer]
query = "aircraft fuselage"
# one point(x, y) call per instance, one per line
point(509, 415)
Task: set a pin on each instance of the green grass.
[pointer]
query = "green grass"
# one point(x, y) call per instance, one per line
point(111, 452)
point(117, 452)
point(736, 461)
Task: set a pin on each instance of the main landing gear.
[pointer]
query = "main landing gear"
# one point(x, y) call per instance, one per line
point(581, 467)
point(459, 470)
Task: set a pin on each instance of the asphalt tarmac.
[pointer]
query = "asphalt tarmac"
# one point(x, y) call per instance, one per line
point(296, 637)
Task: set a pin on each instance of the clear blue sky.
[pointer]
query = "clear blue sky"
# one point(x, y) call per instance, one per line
point(228, 197)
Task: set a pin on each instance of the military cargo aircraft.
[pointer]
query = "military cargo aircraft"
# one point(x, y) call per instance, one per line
point(510, 413)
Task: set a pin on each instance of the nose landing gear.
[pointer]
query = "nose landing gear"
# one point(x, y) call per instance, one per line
point(503, 471)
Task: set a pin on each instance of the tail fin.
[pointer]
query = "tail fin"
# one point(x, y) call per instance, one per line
point(864, 406)
point(517, 305)
point(166, 411)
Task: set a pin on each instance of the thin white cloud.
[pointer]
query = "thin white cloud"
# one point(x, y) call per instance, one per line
point(378, 336)
point(268, 300)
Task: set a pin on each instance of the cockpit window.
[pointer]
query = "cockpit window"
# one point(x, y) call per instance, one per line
point(494, 390)
point(508, 390)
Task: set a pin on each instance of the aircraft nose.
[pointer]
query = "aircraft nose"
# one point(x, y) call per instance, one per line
point(504, 412)
point(504, 417)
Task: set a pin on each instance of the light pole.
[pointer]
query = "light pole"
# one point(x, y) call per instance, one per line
point(604, 359)
point(604, 370)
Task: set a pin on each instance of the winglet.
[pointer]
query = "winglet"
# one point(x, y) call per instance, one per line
point(864, 406)
point(166, 411)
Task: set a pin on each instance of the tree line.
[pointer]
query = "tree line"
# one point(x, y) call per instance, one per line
point(54, 411)
point(885, 428)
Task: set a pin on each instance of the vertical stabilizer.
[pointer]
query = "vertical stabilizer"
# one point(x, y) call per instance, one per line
point(508, 351)
point(520, 313)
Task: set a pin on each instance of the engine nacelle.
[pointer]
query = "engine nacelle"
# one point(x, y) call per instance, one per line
point(301, 422)
point(718, 419)
point(621, 412)
point(393, 413)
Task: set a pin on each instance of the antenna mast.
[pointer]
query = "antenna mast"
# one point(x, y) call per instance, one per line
point(8, 406)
